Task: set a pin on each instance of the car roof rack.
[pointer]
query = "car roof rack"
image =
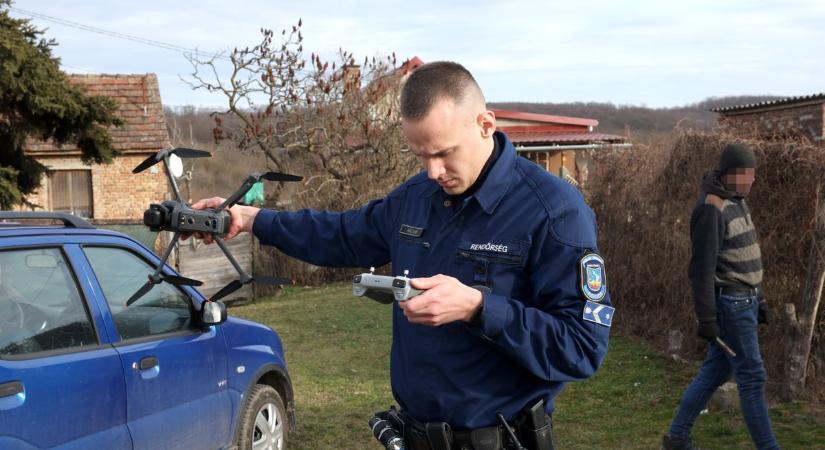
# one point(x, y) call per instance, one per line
point(68, 220)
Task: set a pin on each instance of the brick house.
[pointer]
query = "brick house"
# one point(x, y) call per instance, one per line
point(112, 197)
point(802, 116)
point(109, 193)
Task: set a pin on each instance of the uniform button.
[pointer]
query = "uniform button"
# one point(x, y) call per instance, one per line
point(447, 203)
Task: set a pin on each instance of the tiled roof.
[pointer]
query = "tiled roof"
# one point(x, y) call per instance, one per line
point(410, 65)
point(139, 105)
point(540, 138)
point(769, 103)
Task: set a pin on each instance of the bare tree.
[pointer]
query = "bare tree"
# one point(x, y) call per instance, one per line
point(336, 123)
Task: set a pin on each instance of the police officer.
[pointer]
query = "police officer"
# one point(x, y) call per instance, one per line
point(515, 302)
point(725, 273)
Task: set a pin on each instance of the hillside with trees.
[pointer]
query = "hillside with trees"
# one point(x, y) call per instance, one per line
point(639, 120)
point(192, 125)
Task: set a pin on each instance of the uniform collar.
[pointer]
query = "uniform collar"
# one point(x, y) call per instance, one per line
point(490, 193)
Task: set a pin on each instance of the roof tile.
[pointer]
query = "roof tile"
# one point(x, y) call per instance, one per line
point(139, 105)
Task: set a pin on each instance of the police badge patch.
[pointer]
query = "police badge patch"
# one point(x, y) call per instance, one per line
point(592, 277)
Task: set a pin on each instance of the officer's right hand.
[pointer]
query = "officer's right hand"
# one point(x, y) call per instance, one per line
point(708, 330)
point(242, 218)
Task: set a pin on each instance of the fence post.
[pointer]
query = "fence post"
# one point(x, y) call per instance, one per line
point(799, 322)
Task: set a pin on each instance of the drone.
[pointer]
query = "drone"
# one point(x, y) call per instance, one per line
point(179, 217)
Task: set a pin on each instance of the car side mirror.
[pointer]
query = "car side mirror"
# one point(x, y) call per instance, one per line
point(213, 313)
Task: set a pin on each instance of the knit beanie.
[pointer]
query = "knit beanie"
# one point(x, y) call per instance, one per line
point(736, 156)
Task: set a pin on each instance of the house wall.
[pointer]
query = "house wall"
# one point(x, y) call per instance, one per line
point(805, 120)
point(117, 193)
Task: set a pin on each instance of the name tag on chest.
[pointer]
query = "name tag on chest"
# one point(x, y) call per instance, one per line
point(409, 230)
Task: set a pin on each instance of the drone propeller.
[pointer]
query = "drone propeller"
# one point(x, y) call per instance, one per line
point(277, 176)
point(234, 285)
point(141, 292)
point(147, 163)
point(251, 180)
point(157, 279)
point(181, 281)
point(159, 156)
point(190, 153)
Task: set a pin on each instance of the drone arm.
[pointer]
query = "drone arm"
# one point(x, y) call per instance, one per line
point(166, 254)
point(245, 278)
point(245, 187)
point(171, 177)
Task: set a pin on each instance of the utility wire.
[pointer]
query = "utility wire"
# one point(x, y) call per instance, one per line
point(128, 37)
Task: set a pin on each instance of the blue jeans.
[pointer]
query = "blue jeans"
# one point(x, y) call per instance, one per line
point(736, 317)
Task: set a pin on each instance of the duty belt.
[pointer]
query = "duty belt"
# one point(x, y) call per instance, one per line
point(439, 436)
point(435, 436)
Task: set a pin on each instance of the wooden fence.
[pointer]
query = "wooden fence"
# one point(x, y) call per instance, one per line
point(208, 264)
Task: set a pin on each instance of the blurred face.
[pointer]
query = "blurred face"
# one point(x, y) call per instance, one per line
point(739, 180)
point(453, 141)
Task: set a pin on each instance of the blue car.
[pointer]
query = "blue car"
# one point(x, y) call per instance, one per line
point(79, 369)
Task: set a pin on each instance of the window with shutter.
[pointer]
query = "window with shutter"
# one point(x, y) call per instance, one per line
point(71, 191)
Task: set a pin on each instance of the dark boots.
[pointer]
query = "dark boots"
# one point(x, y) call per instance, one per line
point(669, 443)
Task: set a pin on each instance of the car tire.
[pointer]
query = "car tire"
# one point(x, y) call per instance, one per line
point(264, 424)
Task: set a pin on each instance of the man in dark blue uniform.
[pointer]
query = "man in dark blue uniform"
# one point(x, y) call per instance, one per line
point(515, 302)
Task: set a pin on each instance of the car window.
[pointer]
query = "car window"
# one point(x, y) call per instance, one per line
point(121, 273)
point(41, 308)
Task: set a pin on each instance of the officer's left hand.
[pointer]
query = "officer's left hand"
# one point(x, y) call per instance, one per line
point(444, 300)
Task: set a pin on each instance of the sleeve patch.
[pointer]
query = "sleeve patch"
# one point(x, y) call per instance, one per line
point(592, 277)
point(600, 314)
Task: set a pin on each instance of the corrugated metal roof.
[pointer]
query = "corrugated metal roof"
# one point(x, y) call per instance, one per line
point(536, 138)
point(783, 101)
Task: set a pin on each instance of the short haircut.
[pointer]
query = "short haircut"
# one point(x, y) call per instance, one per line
point(434, 81)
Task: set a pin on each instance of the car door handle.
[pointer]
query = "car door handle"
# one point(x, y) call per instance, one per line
point(10, 388)
point(148, 362)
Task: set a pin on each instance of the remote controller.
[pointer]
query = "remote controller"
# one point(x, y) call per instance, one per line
point(383, 289)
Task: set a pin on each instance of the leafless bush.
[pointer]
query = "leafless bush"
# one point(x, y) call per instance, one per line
point(643, 200)
point(334, 122)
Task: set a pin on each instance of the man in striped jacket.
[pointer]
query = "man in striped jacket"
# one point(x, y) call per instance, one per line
point(725, 273)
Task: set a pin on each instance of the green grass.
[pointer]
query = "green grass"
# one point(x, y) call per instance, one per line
point(337, 349)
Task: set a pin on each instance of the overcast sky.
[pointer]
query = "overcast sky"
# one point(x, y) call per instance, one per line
point(654, 53)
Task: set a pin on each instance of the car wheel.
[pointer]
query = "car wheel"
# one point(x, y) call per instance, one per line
point(264, 424)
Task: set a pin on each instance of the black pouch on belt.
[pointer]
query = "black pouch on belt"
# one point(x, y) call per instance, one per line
point(535, 427)
point(439, 435)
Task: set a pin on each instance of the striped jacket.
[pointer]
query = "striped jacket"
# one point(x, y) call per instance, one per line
point(725, 250)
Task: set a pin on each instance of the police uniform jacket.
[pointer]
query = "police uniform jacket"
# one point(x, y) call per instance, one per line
point(524, 234)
